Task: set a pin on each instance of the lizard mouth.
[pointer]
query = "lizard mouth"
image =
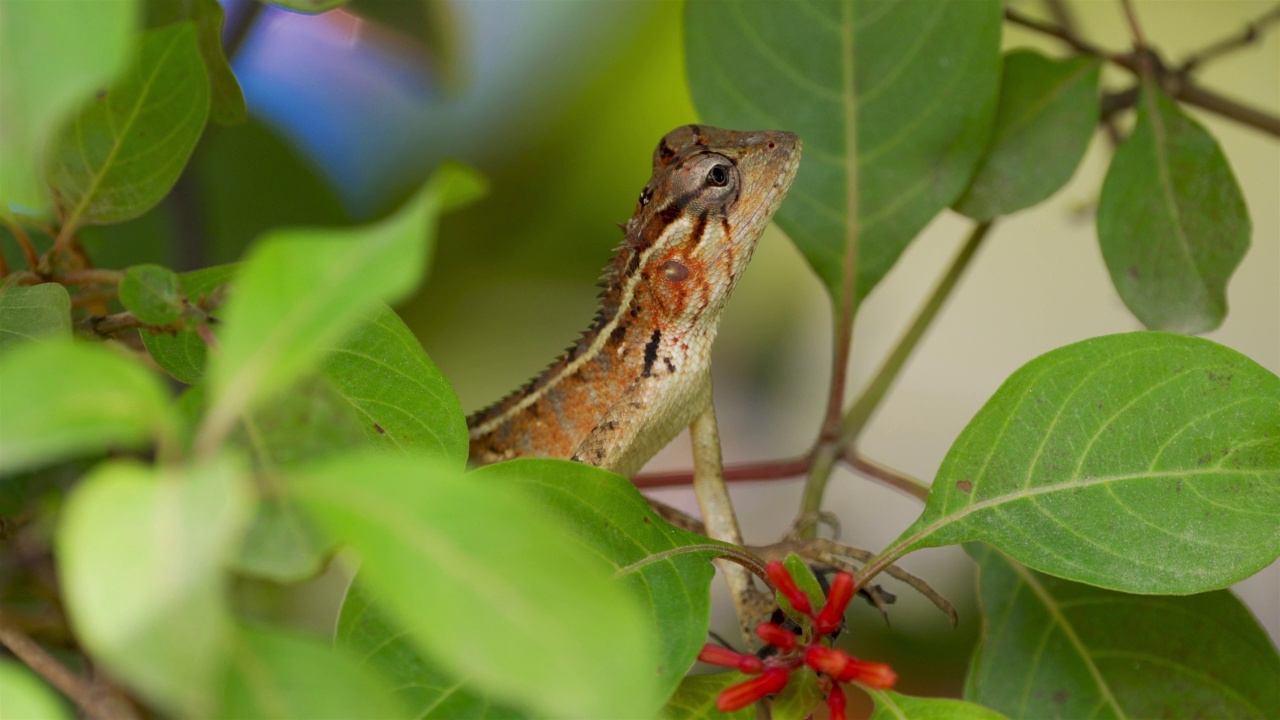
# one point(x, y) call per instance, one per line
point(785, 155)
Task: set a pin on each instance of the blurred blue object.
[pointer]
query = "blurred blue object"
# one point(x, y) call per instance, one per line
point(363, 102)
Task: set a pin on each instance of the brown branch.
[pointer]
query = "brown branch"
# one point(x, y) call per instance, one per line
point(96, 700)
point(24, 242)
point(105, 326)
point(89, 276)
point(1179, 86)
point(1251, 34)
point(768, 470)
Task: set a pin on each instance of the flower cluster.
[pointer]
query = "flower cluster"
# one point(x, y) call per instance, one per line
point(774, 671)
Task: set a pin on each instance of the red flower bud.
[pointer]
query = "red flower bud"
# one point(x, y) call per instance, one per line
point(776, 636)
point(826, 660)
point(743, 694)
point(781, 579)
point(832, 615)
point(872, 674)
point(836, 702)
point(724, 657)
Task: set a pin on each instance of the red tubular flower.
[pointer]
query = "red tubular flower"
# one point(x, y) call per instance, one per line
point(776, 636)
point(772, 680)
point(836, 702)
point(781, 579)
point(832, 615)
point(826, 660)
point(724, 657)
point(872, 674)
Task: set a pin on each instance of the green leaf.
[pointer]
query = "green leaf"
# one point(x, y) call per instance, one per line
point(1172, 222)
point(275, 674)
point(487, 585)
point(52, 55)
point(120, 155)
point(227, 101)
point(32, 312)
point(894, 706)
point(799, 698)
point(1054, 648)
point(695, 699)
point(1047, 113)
point(432, 23)
point(23, 695)
point(302, 291)
point(152, 294)
point(421, 687)
point(308, 6)
point(807, 583)
point(182, 352)
point(893, 100)
point(1144, 462)
point(403, 400)
point(140, 554)
point(69, 399)
point(613, 520)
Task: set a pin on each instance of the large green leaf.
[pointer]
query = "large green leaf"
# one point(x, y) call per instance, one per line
point(63, 400)
point(38, 311)
point(275, 674)
point(52, 56)
point(308, 6)
point(302, 291)
point(23, 695)
point(614, 521)
point(894, 706)
point(1047, 112)
point(1143, 462)
point(403, 400)
point(1054, 648)
point(140, 555)
point(420, 685)
point(487, 585)
point(1172, 221)
point(893, 100)
point(120, 155)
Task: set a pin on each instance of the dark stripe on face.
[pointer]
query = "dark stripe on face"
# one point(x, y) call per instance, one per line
point(699, 227)
point(651, 353)
point(725, 226)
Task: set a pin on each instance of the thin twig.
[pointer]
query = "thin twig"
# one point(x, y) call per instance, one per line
point(1180, 87)
point(769, 470)
point(108, 325)
point(1251, 34)
point(89, 276)
point(95, 700)
point(24, 242)
point(872, 470)
point(1135, 27)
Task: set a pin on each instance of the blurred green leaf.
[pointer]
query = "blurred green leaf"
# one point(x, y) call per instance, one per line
point(431, 22)
point(403, 400)
point(308, 6)
point(487, 585)
point(1047, 113)
point(301, 291)
point(1144, 462)
point(422, 687)
point(799, 698)
point(123, 152)
point(31, 312)
point(1172, 221)
point(893, 100)
point(23, 695)
point(227, 101)
point(1054, 648)
point(152, 294)
point(52, 55)
point(892, 706)
point(140, 555)
point(275, 674)
point(596, 506)
point(695, 699)
point(69, 399)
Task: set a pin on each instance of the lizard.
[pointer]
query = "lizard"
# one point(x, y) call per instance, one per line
point(641, 372)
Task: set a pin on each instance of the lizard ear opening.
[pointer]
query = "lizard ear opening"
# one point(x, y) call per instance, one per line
point(675, 271)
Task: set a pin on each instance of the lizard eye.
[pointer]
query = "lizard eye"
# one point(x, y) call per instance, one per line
point(718, 176)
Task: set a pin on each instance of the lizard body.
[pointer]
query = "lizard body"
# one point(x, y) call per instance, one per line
point(641, 372)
